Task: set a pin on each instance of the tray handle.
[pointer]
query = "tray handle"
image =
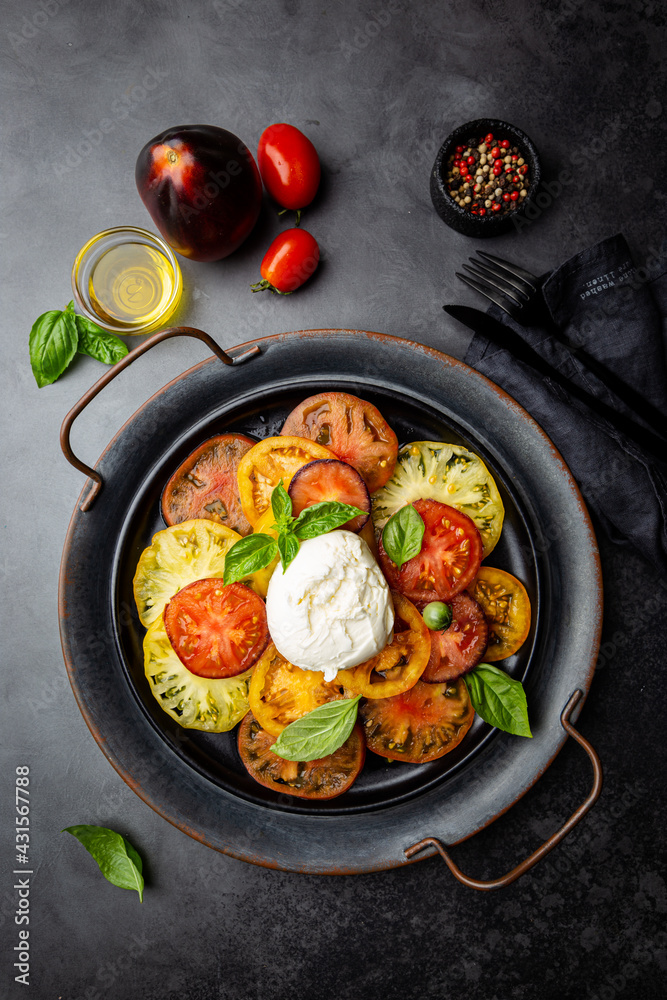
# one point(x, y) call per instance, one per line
point(554, 839)
point(157, 338)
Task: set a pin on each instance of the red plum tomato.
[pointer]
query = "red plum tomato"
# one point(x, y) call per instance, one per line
point(288, 263)
point(289, 165)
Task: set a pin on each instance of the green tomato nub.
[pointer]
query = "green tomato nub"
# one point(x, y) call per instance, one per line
point(437, 616)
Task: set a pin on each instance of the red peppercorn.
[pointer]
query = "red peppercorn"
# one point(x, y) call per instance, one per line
point(516, 179)
point(524, 168)
point(508, 168)
point(488, 138)
point(505, 143)
point(514, 195)
point(482, 211)
point(471, 160)
point(497, 170)
point(495, 152)
point(459, 149)
point(457, 161)
point(515, 156)
point(506, 196)
point(496, 206)
point(463, 170)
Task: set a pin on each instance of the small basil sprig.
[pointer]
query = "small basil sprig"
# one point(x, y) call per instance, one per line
point(257, 551)
point(402, 535)
point(58, 335)
point(318, 733)
point(117, 859)
point(498, 699)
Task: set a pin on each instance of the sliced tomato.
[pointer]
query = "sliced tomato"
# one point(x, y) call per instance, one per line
point(436, 470)
point(313, 779)
point(354, 429)
point(506, 606)
point(281, 693)
point(422, 724)
point(216, 630)
point(181, 554)
point(205, 484)
point(399, 665)
point(459, 648)
point(449, 559)
point(212, 704)
point(330, 479)
point(261, 469)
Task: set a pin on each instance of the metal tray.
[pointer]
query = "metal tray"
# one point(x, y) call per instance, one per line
point(196, 780)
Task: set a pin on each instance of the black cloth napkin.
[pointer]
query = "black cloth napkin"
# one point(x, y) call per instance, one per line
point(616, 313)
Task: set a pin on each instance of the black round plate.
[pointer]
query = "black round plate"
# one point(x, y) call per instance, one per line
point(196, 780)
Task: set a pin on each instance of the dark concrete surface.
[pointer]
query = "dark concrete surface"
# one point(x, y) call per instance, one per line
point(376, 86)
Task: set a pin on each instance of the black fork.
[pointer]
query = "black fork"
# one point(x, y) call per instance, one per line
point(518, 293)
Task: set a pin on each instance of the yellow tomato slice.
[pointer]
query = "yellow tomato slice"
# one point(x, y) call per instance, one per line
point(181, 554)
point(399, 665)
point(261, 577)
point(506, 607)
point(212, 704)
point(281, 693)
point(261, 469)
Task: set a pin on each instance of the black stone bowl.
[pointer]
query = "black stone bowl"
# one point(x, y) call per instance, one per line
point(455, 216)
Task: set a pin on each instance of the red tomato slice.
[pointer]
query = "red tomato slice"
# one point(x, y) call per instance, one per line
point(330, 479)
point(289, 165)
point(459, 648)
point(352, 428)
point(449, 559)
point(205, 484)
point(312, 779)
point(216, 630)
point(422, 724)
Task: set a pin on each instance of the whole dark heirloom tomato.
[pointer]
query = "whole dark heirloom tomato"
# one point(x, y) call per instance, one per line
point(202, 188)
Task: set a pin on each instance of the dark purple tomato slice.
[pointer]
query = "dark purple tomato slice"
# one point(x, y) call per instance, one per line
point(329, 479)
point(217, 630)
point(419, 725)
point(459, 648)
point(205, 484)
point(312, 779)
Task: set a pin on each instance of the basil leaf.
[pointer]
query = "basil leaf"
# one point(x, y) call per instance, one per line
point(319, 733)
point(281, 505)
point(53, 344)
point(402, 535)
point(248, 555)
point(323, 517)
point(499, 699)
point(117, 859)
point(288, 547)
point(98, 343)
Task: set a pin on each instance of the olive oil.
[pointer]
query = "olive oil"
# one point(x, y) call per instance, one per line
point(132, 284)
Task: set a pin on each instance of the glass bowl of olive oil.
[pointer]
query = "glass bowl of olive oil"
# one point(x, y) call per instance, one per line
point(127, 280)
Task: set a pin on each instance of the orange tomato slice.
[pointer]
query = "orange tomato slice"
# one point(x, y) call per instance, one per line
point(399, 665)
point(281, 693)
point(506, 607)
point(261, 469)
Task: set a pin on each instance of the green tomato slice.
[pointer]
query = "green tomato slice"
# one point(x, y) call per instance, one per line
point(435, 470)
point(213, 705)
